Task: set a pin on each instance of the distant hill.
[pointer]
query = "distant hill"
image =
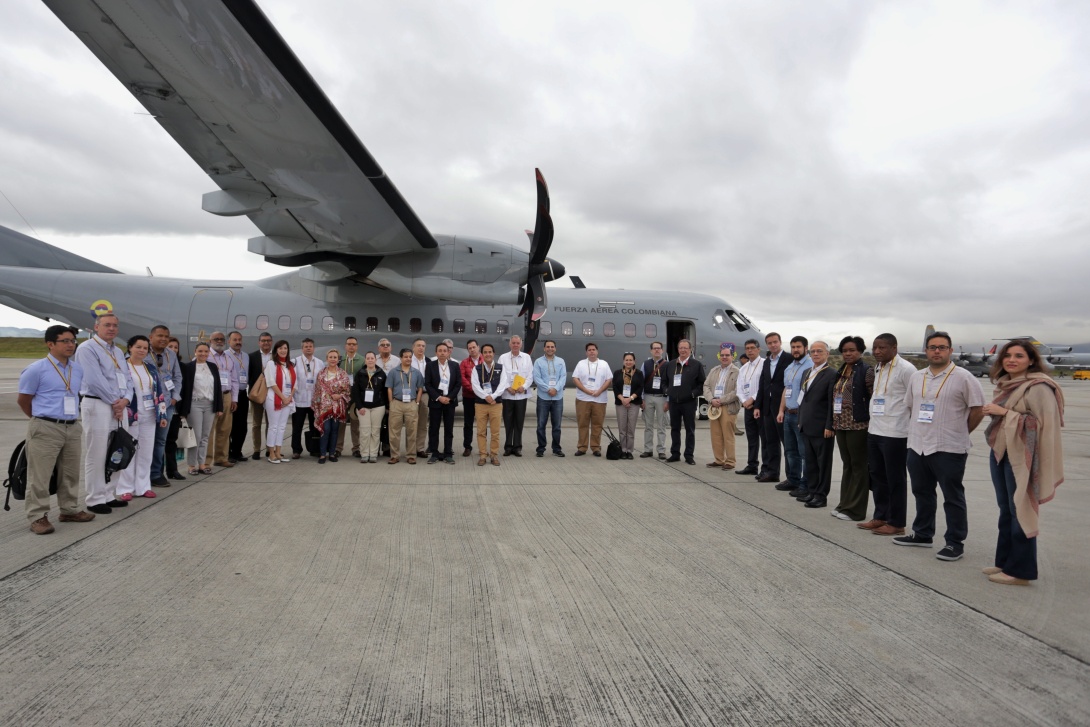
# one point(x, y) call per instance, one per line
point(21, 332)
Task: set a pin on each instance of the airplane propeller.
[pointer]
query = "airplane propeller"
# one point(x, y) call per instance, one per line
point(540, 269)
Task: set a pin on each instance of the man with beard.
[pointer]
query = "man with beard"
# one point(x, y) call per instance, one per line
point(767, 406)
point(218, 443)
point(794, 448)
point(256, 369)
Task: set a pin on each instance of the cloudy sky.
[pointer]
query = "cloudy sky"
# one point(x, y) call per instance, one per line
point(828, 167)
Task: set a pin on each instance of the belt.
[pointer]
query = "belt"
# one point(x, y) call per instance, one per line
point(792, 411)
point(58, 421)
point(90, 396)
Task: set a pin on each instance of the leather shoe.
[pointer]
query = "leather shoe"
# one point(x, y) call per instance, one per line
point(77, 517)
point(888, 529)
point(255, 456)
point(766, 478)
point(160, 482)
point(228, 464)
point(645, 455)
point(558, 453)
point(541, 453)
point(177, 476)
point(746, 471)
point(41, 526)
point(116, 503)
point(673, 458)
point(467, 451)
point(804, 497)
point(713, 464)
point(690, 460)
point(596, 453)
point(785, 486)
point(798, 492)
point(871, 524)
point(516, 452)
point(579, 453)
point(100, 509)
point(816, 502)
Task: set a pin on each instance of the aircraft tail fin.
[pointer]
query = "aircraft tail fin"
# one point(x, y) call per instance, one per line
point(994, 346)
point(927, 332)
point(20, 251)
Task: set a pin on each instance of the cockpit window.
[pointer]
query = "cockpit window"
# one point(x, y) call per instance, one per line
point(721, 319)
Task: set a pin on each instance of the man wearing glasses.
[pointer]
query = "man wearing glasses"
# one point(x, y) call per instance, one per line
point(170, 374)
point(654, 397)
point(945, 404)
point(219, 440)
point(255, 370)
point(49, 395)
point(387, 362)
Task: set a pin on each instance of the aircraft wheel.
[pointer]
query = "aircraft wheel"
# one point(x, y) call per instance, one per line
point(702, 410)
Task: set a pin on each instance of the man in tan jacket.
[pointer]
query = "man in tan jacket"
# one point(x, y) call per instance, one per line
point(721, 392)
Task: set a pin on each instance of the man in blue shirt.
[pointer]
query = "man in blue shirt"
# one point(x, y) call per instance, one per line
point(49, 395)
point(170, 374)
point(794, 450)
point(550, 373)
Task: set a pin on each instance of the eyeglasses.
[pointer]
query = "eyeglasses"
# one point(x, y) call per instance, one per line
point(219, 340)
point(938, 348)
point(384, 344)
point(65, 340)
point(817, 350)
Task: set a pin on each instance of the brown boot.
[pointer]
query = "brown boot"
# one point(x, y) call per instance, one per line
point(77, 517)
point(41, 526)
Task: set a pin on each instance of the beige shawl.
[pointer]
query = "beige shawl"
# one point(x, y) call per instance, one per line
point(1029, 435)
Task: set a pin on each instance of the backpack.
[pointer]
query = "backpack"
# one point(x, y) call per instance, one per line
point(17, 477)
point(613, 449)
point(120, 449)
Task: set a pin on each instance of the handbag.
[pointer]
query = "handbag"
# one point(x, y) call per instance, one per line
point(613, 449)
point(186, 437)
point(120, 449)
point(259, 391)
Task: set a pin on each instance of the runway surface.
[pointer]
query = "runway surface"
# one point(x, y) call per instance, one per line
point(542, 592)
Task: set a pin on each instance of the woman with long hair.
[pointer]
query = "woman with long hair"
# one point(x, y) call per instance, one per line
point(1027, 456)
point(280, 378)
point(201, 403)
point(628, 398)
point(147, 412)
point(332, 389)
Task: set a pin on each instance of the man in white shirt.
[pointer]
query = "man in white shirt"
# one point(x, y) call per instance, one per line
point(749, 379)
point(420, 363)
point(387, 362)
point(256, 369)
point(307, 368)
point(592, 378)
point(516, 364)
point(219, 438)
point(887, 438)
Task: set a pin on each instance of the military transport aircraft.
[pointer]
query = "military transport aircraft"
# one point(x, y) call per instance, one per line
point(223, 83)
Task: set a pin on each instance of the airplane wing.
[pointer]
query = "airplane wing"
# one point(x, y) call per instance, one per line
point(219, 78)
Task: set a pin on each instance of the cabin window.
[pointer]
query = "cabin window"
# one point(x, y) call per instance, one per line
point(650, 330)
point(546, 328)
point(372, 323)
point(629, 330)
point(240, 323)
point(588, 329)
point(283, 323)
point(350, 323)
point(609, 330)
point(459, 325)
point(415, 325)
point(393, 325)
point(262, 323)
point(306, 323)
point(436, 325)
point(328, 323)
point(502, 327)
point(566, 328)
point(480, 326)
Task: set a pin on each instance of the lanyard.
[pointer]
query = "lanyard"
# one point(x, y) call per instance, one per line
point(370, 376)
point(842, 380)
point(594, 373)
point(797, 365)
point(812, 373)
point(68, 381)
point(491, 373)
point(406, 377)
point(139, 379)
point(923, 389)
point(549, 363)
point(108, 353)
point(753, 366)
point(626, 374)
point(889, 375)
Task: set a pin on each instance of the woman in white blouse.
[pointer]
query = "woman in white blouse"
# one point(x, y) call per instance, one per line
point(280, 378)
point(200, 403)
point(146, 413)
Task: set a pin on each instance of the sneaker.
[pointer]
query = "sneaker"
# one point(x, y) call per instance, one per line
point(950, 552)
point(433, 459)
point(913, 539)
point(841, 515)
point(449, 460)
point(41, 526)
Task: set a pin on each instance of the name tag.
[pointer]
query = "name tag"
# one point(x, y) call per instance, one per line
point(656, 383)
point(487, 390)
point(552, 383)
point(878, 408)
point(170, 385)
point(148, 403)
point(787, 391)
point(626, 390)
point(443, 386)
point(287, 389)
point(802, 395)
point(310, 382)
point(369, 396)
point(718, 392)
point(745, 388)
point(122, 382)
point(677, 380)
point(838, 404)
point(406, 397)
point(591, 379)
point(926, 414)
point(70, 404)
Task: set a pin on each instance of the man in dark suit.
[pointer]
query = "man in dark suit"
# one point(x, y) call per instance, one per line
point(255, 370)
point(767, 406)
point(237, 437)
point(684, 383)
point(816, 425)
point(442, 381)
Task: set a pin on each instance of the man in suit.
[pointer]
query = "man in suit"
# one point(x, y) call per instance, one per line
point(684, 384)
point(254, 370)
point(767, 406)
point(816, 425)
point(442, 381)
point(242, 402)
point(749, 380)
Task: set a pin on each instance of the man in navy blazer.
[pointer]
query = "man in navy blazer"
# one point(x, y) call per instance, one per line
point(767, 406)
point(442, 381)
point(816, 425)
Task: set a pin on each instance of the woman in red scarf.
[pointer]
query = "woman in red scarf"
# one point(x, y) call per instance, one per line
point(1027, 456)
point(280, 378)
point(332, 389)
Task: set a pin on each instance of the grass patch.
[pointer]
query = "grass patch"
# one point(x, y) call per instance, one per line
point(22, 347)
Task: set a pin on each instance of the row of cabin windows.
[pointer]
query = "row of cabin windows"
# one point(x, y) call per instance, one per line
point(438, 325)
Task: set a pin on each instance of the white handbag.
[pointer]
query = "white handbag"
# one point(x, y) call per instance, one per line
point(186, 437)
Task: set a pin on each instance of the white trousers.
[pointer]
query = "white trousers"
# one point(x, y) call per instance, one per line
point(136, 478)
point(278, 422)
point(98, 422)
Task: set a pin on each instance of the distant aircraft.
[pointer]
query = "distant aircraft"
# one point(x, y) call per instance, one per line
point(223, 83)
point(1057, 357)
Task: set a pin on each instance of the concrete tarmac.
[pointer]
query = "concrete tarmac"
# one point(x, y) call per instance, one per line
point(541, 592)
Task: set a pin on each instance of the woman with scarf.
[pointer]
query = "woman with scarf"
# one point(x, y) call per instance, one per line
point(147, 412)
point(628, 397)
point(332, 390)
point(1027, 456)
point(280, 379)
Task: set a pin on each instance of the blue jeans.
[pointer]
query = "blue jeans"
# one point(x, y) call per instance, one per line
point(1014, 552)
point(545, 409)
point(794, 451)
point(945, 469)
point(158, 457)
point(328, 444)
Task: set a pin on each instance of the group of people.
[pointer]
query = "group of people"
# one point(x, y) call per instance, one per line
point(890, 422)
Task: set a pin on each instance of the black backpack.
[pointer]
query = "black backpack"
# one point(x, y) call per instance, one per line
point(17, 477)
point(120, 449)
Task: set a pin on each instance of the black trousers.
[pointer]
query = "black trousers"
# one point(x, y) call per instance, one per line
point(442, 414)
point(384, 435)
point(755, 438)
point(240, 428)
point(770, 445)
point(819, 464)
point(170, 456)
point(683, 412)
point(946, 470)
point(469, 418)
point(301, 414)
point(514, 414)
point(886, 459)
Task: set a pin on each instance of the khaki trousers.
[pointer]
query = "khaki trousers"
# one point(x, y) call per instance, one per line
point(590, 416)
point(48, 445)
point(353, 421)
point(722, 431)
point(488, 415)
point(421, 425)
point(370, 423)
point(219, 441)
point(403, 415)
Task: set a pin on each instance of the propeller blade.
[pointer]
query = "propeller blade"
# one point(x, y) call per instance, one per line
point(542, 238)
